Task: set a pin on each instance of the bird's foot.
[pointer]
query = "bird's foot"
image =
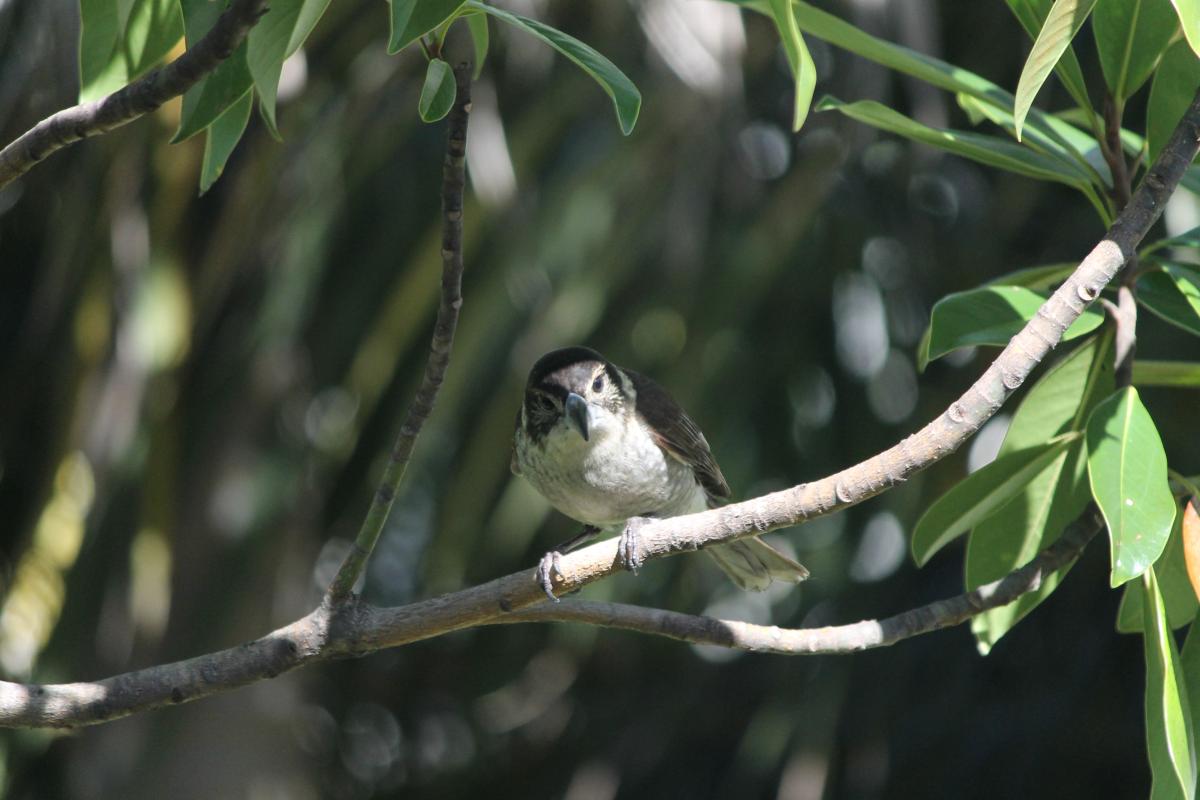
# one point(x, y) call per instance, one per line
point(629, 545)
point(551, 565)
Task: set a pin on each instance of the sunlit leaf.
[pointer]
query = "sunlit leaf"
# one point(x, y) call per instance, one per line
point(438, 93)
point(478, 25)
point(1127, 469)
point(277, 35)
point(1189, 19)
point(1171, 572)
point(804, 72)
point(1032, 14)
point(221, 137)
point(1063, 21)
point(989, 315)
point(1034, 519)
point(1130, 37)
point(991, 150)
point(1170, 739)
point(1175, 84)
point(222, 87)
point(412, 19)
point(1173, 293)
point(626, 98)
point(976, 496)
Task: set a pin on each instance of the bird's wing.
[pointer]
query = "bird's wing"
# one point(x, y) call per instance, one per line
point(675, 432)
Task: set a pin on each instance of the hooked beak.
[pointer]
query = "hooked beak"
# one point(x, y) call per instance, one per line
point(576, 412)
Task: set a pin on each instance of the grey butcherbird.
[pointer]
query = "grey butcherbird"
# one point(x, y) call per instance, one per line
point(609, 447)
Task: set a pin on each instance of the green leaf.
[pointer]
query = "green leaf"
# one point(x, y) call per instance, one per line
point(1178, 596)
point(991, 150)
point(1130, 37)
point(1173, 293)
point(99, 30)
point(1070, 151)
point(804, 72)
point(626, 98)
point(1175, 84)
point(121, 41)
point(813, 21)
point(221, 137)
point(979, 494)
point(1170, 741)
point(989, 315)
point(1032, 15)
point(1063, 21)
point(1189, 20)
point(1034, 519)
point(479, 38)
point(1128, 472)
point(1181, 374)
point(1186, 239)
point(1190, 666)
point(1036, 278)
point(279, 34)
point(412, 19)
point(438, 93)
point(222, 87)
point(152, 29)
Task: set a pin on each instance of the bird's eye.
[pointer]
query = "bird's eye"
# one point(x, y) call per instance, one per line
point(598, 384)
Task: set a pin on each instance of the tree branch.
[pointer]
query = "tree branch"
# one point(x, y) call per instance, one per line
point(838, 639)
point(453, 182)
point(352, 628)
point(140, 97)
point(356, 629)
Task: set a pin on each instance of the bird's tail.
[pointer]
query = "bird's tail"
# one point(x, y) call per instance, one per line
point(752, 564)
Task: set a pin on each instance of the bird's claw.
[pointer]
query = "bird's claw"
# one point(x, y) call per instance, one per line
point(629, 545)
point(551, 565)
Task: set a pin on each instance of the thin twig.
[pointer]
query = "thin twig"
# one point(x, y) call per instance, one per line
point(453, 182)
point(140, 97)
point(352, 628)
point(838, 639)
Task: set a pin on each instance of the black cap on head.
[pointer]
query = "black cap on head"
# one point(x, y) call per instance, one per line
point(558, 359)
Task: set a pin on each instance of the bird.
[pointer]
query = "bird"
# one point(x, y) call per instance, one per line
point(609, 447)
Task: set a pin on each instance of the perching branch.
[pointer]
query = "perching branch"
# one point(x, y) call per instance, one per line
point(140, 97)
point(351, 628)
point(838, 639)
point(453, 181)
point(357, 629)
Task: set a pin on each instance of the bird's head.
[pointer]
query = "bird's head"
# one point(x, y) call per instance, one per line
point(577, 389)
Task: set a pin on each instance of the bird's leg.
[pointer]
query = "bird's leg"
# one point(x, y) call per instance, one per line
point(551, 563)
point(629, 546)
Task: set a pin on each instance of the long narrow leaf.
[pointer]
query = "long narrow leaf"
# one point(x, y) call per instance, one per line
point(1170, 740)
point(804, 72)
point(978, 495)
point(1065, 19)
point(990, 150)
point(1032, 15)
point(627, 100)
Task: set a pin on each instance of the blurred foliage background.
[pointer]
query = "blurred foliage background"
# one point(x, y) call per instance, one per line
point(196, 393)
